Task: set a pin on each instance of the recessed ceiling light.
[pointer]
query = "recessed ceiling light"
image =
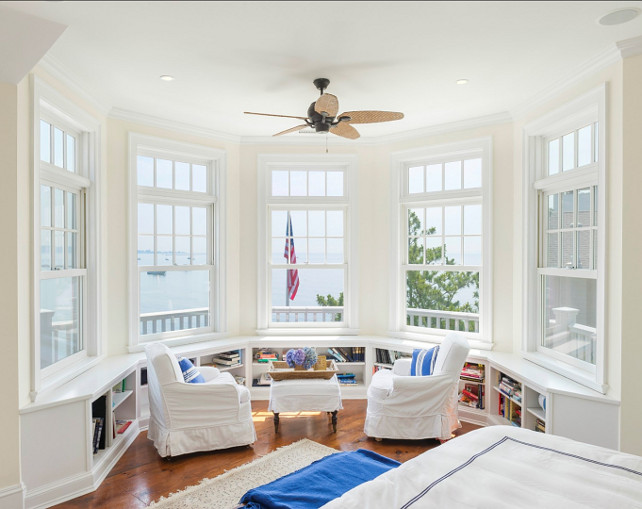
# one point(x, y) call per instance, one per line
point(618, 17)
point(461, 81)
point(167, 77)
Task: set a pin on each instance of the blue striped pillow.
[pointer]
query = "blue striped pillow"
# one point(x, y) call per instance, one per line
point(423, 361)
point(191, 375)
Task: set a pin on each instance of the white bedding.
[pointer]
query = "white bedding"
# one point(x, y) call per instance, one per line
point(506, 467)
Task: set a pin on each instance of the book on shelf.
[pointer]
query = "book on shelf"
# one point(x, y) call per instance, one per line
point(473, 372)
point(122, 425)
point(98, 433)
point(264, 380)
point(472, 395)
point(266, 356)
point(540, 426)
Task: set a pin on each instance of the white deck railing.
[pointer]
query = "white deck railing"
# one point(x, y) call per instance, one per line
point(165, 321)
point(445, 320)
point(307, 313)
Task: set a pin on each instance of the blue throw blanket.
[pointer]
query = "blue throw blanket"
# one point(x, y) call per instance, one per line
point(319, 482)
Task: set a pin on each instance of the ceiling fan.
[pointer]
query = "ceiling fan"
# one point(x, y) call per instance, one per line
point(323, 118)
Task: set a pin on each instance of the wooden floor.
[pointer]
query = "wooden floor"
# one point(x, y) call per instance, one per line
point(142, 476)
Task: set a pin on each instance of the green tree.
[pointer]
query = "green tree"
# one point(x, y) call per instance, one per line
point(329, 300)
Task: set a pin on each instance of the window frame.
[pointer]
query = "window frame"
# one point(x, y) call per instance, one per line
point(590, 108)
point(266, 203)
point(402, 200)
point(51, 106)
point(214, 200)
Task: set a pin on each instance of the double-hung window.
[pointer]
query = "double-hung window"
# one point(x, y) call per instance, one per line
point(176, 232)
point(306, 280)
point(66, 237)
point(565, 218)
point(442, 218)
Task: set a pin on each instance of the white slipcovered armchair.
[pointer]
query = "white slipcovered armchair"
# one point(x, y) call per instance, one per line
point(415, 407)
point(190, 417)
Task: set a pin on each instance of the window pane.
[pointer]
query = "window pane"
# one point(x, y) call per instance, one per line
point(59, 153)
point(59, 208)
point(199, 220)
point(452, 220)
point(182, 175)
point(181, 220)
point(199, 178)
point(416, 180)
point(316, 180)
point(567, 209)
point(318, 298)
point(472, 173)
point(595, 143)
point(415, 250)
point(567, 250)
point(584, 207)
point(45, 206)
point(433, 178)
point(278, 250)
point(199, 251)
point(182, 255)
point(553, 212)
point(416, 221)
point(59, 250)
point(568, 152)
point(584, 152)
point(452, 175)
point(145, 171)
point(317, 251)
point(71, 211)
point(164, 219)
point(164, 251)
point(299, 223)
point(430, 302)
point(145, 250)
point(72, 250)
point(45, 250)
point(570, 316)
point(335, 183)
point(334, 220)
point(472, 250)
point(163, 173)
point(433, 221)
point(334, 250)
point(45, 141)
point(554, 157)
point(298, 183)
point(594, 205)
point(280, 183)
point(174, 300)
point(316, 223)
point(453, 251)
point(60, 309)
point(552, 250)
point(279, 223)
point(434, 251)
point(145, 218)
point(472, 220)
point(71, 153)
point(584, 250)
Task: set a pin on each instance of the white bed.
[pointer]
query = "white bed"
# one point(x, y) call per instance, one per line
point(506, 467)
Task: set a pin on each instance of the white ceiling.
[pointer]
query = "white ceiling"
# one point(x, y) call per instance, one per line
point(230, 57)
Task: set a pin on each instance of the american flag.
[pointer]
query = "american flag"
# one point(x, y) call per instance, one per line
point(290, 257)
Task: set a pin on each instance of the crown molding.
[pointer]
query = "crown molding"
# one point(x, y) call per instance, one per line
point(630, 47)
point(171, 125)
point(56, 70)
point(602, 60)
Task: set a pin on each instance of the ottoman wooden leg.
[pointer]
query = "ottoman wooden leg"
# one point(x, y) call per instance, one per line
point(276, 422)
point(334, 421)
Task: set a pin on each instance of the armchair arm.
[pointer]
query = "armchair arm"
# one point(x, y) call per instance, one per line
point(402, 366)
point(420, 395)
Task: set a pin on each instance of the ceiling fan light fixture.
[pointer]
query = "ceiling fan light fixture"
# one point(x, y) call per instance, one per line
point(167, 77)
point(619, 16)
point(462, 81)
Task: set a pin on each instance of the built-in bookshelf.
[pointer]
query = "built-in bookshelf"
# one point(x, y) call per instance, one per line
point(385, 358)
point(472, 390)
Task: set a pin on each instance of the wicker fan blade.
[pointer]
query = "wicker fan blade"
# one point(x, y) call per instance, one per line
point(328, 104)
point(291, 130)
point(371, 117)
point(345, 130)
point(273, 115)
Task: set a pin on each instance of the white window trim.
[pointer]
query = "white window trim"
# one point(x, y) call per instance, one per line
point(217, 160)
point(479, 147)
point(587, 108)
point(50, 104)
point(267, 162)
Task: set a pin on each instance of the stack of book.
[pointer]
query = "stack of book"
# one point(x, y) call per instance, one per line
point(266, 356)
point(540, 426)
point(472, 372)
point(227, 359)
point(472, 395)
point(510, 388)
point(347, 378)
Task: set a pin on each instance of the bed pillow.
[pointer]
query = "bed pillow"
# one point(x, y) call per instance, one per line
point(191, 375)
point(423, 361)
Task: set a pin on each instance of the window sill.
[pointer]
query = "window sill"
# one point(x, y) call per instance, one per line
point(307, 331)
point(178, 341)
point(576, 375)
point(475, 343)
point(60, 377)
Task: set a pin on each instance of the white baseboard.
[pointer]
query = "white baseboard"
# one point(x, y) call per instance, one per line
point(12, 497)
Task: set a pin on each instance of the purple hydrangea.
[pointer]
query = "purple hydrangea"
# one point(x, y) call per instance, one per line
point(310, 357)
point(295, 357)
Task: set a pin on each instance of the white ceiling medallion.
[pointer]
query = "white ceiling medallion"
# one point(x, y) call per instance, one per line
point(618, 17)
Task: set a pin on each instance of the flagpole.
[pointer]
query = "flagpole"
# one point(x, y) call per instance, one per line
point(287, 241)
